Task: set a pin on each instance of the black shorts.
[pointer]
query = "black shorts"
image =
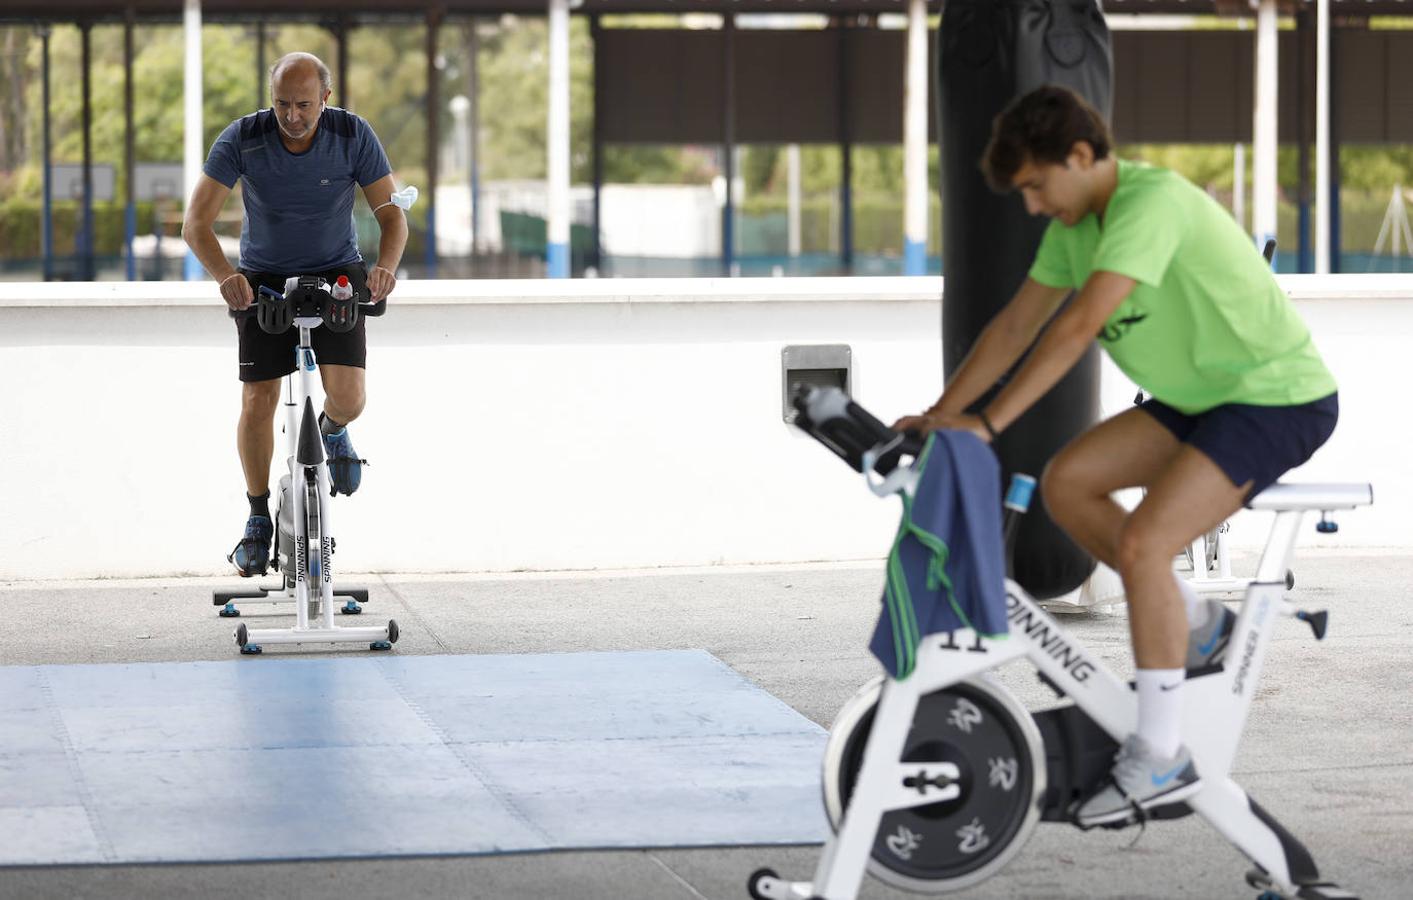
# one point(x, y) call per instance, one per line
point(1258, 444)
point(266, 356)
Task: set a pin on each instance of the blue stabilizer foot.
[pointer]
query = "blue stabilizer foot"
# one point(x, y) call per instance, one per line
point(250, 649)
point(229, 611)
point(380, 645)
point(351, 609)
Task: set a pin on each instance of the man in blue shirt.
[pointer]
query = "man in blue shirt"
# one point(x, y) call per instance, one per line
point(298, 163)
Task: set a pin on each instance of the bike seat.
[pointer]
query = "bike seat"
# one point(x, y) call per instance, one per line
point(1324, 497)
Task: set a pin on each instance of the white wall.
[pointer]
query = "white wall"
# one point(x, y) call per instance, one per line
point(664, 220)
point(661, 220)
point(538, 425)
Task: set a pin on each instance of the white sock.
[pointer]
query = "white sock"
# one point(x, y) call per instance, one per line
point(1160, 709)
point(1198, 610)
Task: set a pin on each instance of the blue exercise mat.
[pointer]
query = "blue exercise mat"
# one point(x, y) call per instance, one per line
point(391, 756)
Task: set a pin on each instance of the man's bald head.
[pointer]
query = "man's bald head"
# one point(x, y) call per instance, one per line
point(299, 88)
point(300, 66)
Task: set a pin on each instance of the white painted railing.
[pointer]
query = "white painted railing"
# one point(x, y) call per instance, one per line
point(548, 424)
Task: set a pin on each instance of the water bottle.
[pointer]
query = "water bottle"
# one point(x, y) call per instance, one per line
point(342, 289)
point(1018, 497)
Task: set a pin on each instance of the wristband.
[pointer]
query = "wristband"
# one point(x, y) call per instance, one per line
point(986, 423)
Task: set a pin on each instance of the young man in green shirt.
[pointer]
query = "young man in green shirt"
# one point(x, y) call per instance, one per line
point(1186, 307)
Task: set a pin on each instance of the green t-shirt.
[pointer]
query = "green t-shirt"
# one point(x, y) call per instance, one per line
point(1206, 323)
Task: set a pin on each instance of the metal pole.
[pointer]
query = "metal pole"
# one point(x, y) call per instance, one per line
point(434, 21)
point(596, 251)
point(129, 161)
point(341, 36)
point(915, 143)
point(473, 91)
point(1238, 185)
point(557, 219)
point(46, 231)
point(262, 79)
point(728, 142)
point(846, 154)
point(1264, 174)
point(85, 242)
point(192, 125)
point(792, 158)
point(1302, 134)
point(1325, 195)
point(1336, 176)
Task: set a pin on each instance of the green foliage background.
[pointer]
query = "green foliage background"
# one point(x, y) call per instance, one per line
point(388, 66)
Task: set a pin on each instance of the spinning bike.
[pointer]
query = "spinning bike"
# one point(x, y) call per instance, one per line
point(934, 782)
point(304, 544)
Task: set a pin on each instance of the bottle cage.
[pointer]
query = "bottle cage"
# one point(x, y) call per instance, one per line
point(274, 311)
point(339, 315)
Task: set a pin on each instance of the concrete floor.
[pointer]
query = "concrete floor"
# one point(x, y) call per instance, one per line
point(1328, 749)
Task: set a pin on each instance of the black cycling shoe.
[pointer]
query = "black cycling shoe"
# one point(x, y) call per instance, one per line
point(251, 556)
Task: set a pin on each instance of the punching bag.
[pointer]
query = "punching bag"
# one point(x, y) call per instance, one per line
point(990, 52)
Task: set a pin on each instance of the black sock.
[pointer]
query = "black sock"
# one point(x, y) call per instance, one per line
point(328, 425)
point(260, 506)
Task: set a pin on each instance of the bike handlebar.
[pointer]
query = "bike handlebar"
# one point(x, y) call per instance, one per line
point(370, 308)
point(311, 298)
point(828, 415)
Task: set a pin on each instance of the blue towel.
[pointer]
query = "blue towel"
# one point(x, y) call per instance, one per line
point(946, 569)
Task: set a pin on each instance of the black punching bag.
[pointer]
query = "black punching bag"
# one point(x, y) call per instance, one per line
point(992, 51)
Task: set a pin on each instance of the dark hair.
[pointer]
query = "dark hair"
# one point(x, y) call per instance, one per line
point(1043, 126)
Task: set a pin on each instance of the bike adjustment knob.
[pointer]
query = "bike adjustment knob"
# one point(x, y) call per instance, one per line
point(1318, 622)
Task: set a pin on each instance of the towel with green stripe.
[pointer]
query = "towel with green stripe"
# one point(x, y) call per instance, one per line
point(946, 570)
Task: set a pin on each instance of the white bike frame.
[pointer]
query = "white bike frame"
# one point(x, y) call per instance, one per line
point(306, 567)
point(1215, 710)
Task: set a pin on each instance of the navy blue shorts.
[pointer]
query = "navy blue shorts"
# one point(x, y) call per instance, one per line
point(266, 356)
point(1258, 444)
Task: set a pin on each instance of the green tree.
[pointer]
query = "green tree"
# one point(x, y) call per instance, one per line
point(514, 105)
point(157, 89)
point(762, 169)
point(13, 72)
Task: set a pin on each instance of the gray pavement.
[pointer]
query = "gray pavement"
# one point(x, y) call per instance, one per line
point(1328, 749)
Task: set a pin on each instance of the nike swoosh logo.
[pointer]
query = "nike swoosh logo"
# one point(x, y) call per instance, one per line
point(1206, 648)
point(1170, 687)
point(1160, 780)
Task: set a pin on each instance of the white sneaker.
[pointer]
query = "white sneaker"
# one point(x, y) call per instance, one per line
point(1139, 781)
point(1207, 644)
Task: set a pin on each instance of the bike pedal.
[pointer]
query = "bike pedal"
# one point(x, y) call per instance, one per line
point(1324, 891)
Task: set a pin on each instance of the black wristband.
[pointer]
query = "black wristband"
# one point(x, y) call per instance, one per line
point(986, 423)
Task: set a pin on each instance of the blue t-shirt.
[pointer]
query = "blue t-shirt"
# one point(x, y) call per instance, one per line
point(298, 206)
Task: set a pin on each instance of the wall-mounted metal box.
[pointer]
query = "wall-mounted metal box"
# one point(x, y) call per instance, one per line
point(816, 364)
